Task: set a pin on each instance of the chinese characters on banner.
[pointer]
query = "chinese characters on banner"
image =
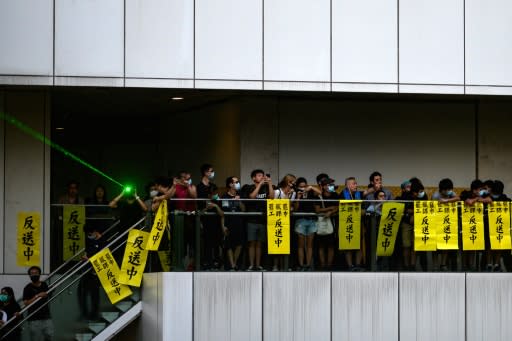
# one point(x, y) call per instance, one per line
point(108, 273)
point(392, 213)
point(350, 225)
point(473, 227)
point(447, 226)
point(73, 220)
point(499, 225)
point(425, 225)
point(278, 226)
point(159, 224)
point(135, 257)
point(29, 245)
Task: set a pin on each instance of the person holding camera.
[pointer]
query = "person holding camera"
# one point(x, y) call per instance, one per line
point(258, 192)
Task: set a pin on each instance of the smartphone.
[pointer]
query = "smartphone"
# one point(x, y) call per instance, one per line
point(268, 175)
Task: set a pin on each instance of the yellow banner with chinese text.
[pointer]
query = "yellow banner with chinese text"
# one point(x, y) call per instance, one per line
point(159, 224)
point(349, 233)
point(473, 227)
point(425, 225)
point(135, 257)
point(499, 225)
point(108, 273)
point(28, 239)
point(447, 226)
point(73, 220)
point(278, 226)
point(392, 213)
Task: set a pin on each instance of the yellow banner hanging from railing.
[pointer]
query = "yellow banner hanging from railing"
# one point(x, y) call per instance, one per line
point(499, 225)
point(350, 225)
point(425, 230)
point(28, 239)
point(392, 213)
point(473, 227)
point(159, 224)
point(73, 220)
point(165, 260)
point(278, 226)
point(108, 273)
point(135, 257)
point(447, 226)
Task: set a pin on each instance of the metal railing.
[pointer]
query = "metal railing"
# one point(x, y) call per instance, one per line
point(58, 284)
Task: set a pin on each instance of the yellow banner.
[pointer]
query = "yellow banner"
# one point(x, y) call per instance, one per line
point(349, 233)
point(392, 213)
point(73, 220)
point(425, 230)
point(165, 260)
point(278, 226)
point(108, 272)
point(135, 257)
point(29, 242)
point(473, 227)
point(159, 224)
point(499, 225)
point(447, 226)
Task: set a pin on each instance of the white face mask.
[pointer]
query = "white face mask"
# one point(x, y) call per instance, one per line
point(153, 193)
point(189, 181)
point(237, 186)
point(211, 176)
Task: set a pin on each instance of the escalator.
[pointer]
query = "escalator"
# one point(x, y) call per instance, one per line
point(65, 302)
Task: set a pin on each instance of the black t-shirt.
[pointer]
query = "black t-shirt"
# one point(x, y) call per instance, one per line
point(92, 246)
point(129, 214)
point(255, 205)
point(29, 292)
point(231, 206)
point(204, 192)
point(307, 205)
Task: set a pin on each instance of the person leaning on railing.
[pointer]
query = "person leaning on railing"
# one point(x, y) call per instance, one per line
point(11, 308)
point(40, 323)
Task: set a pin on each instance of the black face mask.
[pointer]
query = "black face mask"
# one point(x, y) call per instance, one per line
point(34, 278)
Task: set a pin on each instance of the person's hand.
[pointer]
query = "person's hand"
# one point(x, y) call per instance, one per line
point(175, 181)
point(42, 294)
point(225, 230)
point(84, 258)
point(237, 197)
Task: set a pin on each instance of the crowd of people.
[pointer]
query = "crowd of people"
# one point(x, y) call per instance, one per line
point(237, 241)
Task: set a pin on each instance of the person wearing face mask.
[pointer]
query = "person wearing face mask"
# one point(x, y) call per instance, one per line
point(327, 204)
point(305, 226)
point(204, 187)
point(477, 193)
point(89, 286)
point(445, 194)
point(11, 309)
point(234, 223)
point(40, 324)
point(213, 230)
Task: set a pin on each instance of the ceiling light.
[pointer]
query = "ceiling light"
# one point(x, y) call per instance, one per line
point(177, 98)
point(59, 128)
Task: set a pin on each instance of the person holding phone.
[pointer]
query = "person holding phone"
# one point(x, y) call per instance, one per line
point(258, 192)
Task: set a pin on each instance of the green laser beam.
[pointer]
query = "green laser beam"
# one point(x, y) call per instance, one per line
point(23, 127)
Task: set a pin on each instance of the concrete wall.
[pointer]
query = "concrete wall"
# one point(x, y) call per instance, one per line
point(325, 306)
point(415, 46)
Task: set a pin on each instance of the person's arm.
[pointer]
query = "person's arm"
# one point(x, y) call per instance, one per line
point(314, 189)
point(192, 191)
point(254, 193)
point(271, 193)
point(113, 203)
point(29, 301)
point(486, 200)
point(140, 202)
point(452, 199)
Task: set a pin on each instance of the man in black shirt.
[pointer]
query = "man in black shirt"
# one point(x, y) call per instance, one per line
point(89, 283)
point(40, 323)
point(256, 225)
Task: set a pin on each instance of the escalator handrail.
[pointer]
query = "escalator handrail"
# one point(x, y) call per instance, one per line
point(63, 279)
